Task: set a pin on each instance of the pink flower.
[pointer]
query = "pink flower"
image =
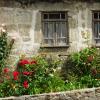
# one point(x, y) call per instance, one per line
point(25, 84)
point(6, 70)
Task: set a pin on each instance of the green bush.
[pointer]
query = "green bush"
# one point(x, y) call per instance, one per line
point(40, 75)
point(31, 77)
point(83, 67)
point(5, 48)
point(84, 60)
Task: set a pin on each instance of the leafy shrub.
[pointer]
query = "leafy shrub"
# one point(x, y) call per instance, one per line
point(5, 48)
point(39, 75)
point(83, 67)
point(84, 60)
point(31, 76)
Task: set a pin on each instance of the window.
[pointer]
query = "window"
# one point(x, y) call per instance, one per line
point(96, 26)
point(55, 29)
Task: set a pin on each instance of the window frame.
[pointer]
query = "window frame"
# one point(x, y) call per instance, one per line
point(56, 20)
point(93, 29)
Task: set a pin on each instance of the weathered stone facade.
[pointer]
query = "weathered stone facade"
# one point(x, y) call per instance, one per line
point(24, 24)
point(84, 94)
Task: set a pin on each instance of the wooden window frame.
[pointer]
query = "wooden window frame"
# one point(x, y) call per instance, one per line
point(55, 20)
point(94, 20)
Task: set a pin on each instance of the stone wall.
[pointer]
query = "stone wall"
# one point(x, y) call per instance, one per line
point(84, 94)
point(25, 25)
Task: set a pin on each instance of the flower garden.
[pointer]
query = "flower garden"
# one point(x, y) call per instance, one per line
point(38, 75)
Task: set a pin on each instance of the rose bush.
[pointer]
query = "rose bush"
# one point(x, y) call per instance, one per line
point(31, 76)
point(40, 74)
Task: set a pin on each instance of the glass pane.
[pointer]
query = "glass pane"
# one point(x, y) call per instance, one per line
point(61, 33)
point(45, 30)
point(58, 29)
point(63, 29)
point(50, 42)
point(50, 29)
point(62, 15)
point(51, 33)
point(99, 30)
point(96, 29)
point(99, 15)
point(45, 16)
point(95, 15)
point(62, 42)
point(45, 42)
point(54, 16)
point(98, 41)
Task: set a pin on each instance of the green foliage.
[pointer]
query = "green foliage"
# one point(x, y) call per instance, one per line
point(84, 61)
point(89, 81)
point(83, 67)
point(40, 75)
point(5, 48)
point(31, 77)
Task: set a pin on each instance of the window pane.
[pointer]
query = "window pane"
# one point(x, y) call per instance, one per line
point(96, 29)
point(48, 42)
point(99, 15)
point(62, 41)
point(58, 32)
point(63, 16)
point(63, 29)
point(58, 29)
point(54, 16)
point(45, 42)
point(61, 33)
point(45, 16)
point(95, 15)
point(45, 30)
point(99, 30)
point(50, 29)
point(97, 40)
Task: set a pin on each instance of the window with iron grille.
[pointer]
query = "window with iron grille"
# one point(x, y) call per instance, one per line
point(55, 29)
point(96, 26)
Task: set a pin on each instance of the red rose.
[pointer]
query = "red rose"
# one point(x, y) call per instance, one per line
point(27, 73)
point(23, 62)
point(90, 58)
point(33, 62)
point(6, 70)
point(25, 84)
point(15, 75)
